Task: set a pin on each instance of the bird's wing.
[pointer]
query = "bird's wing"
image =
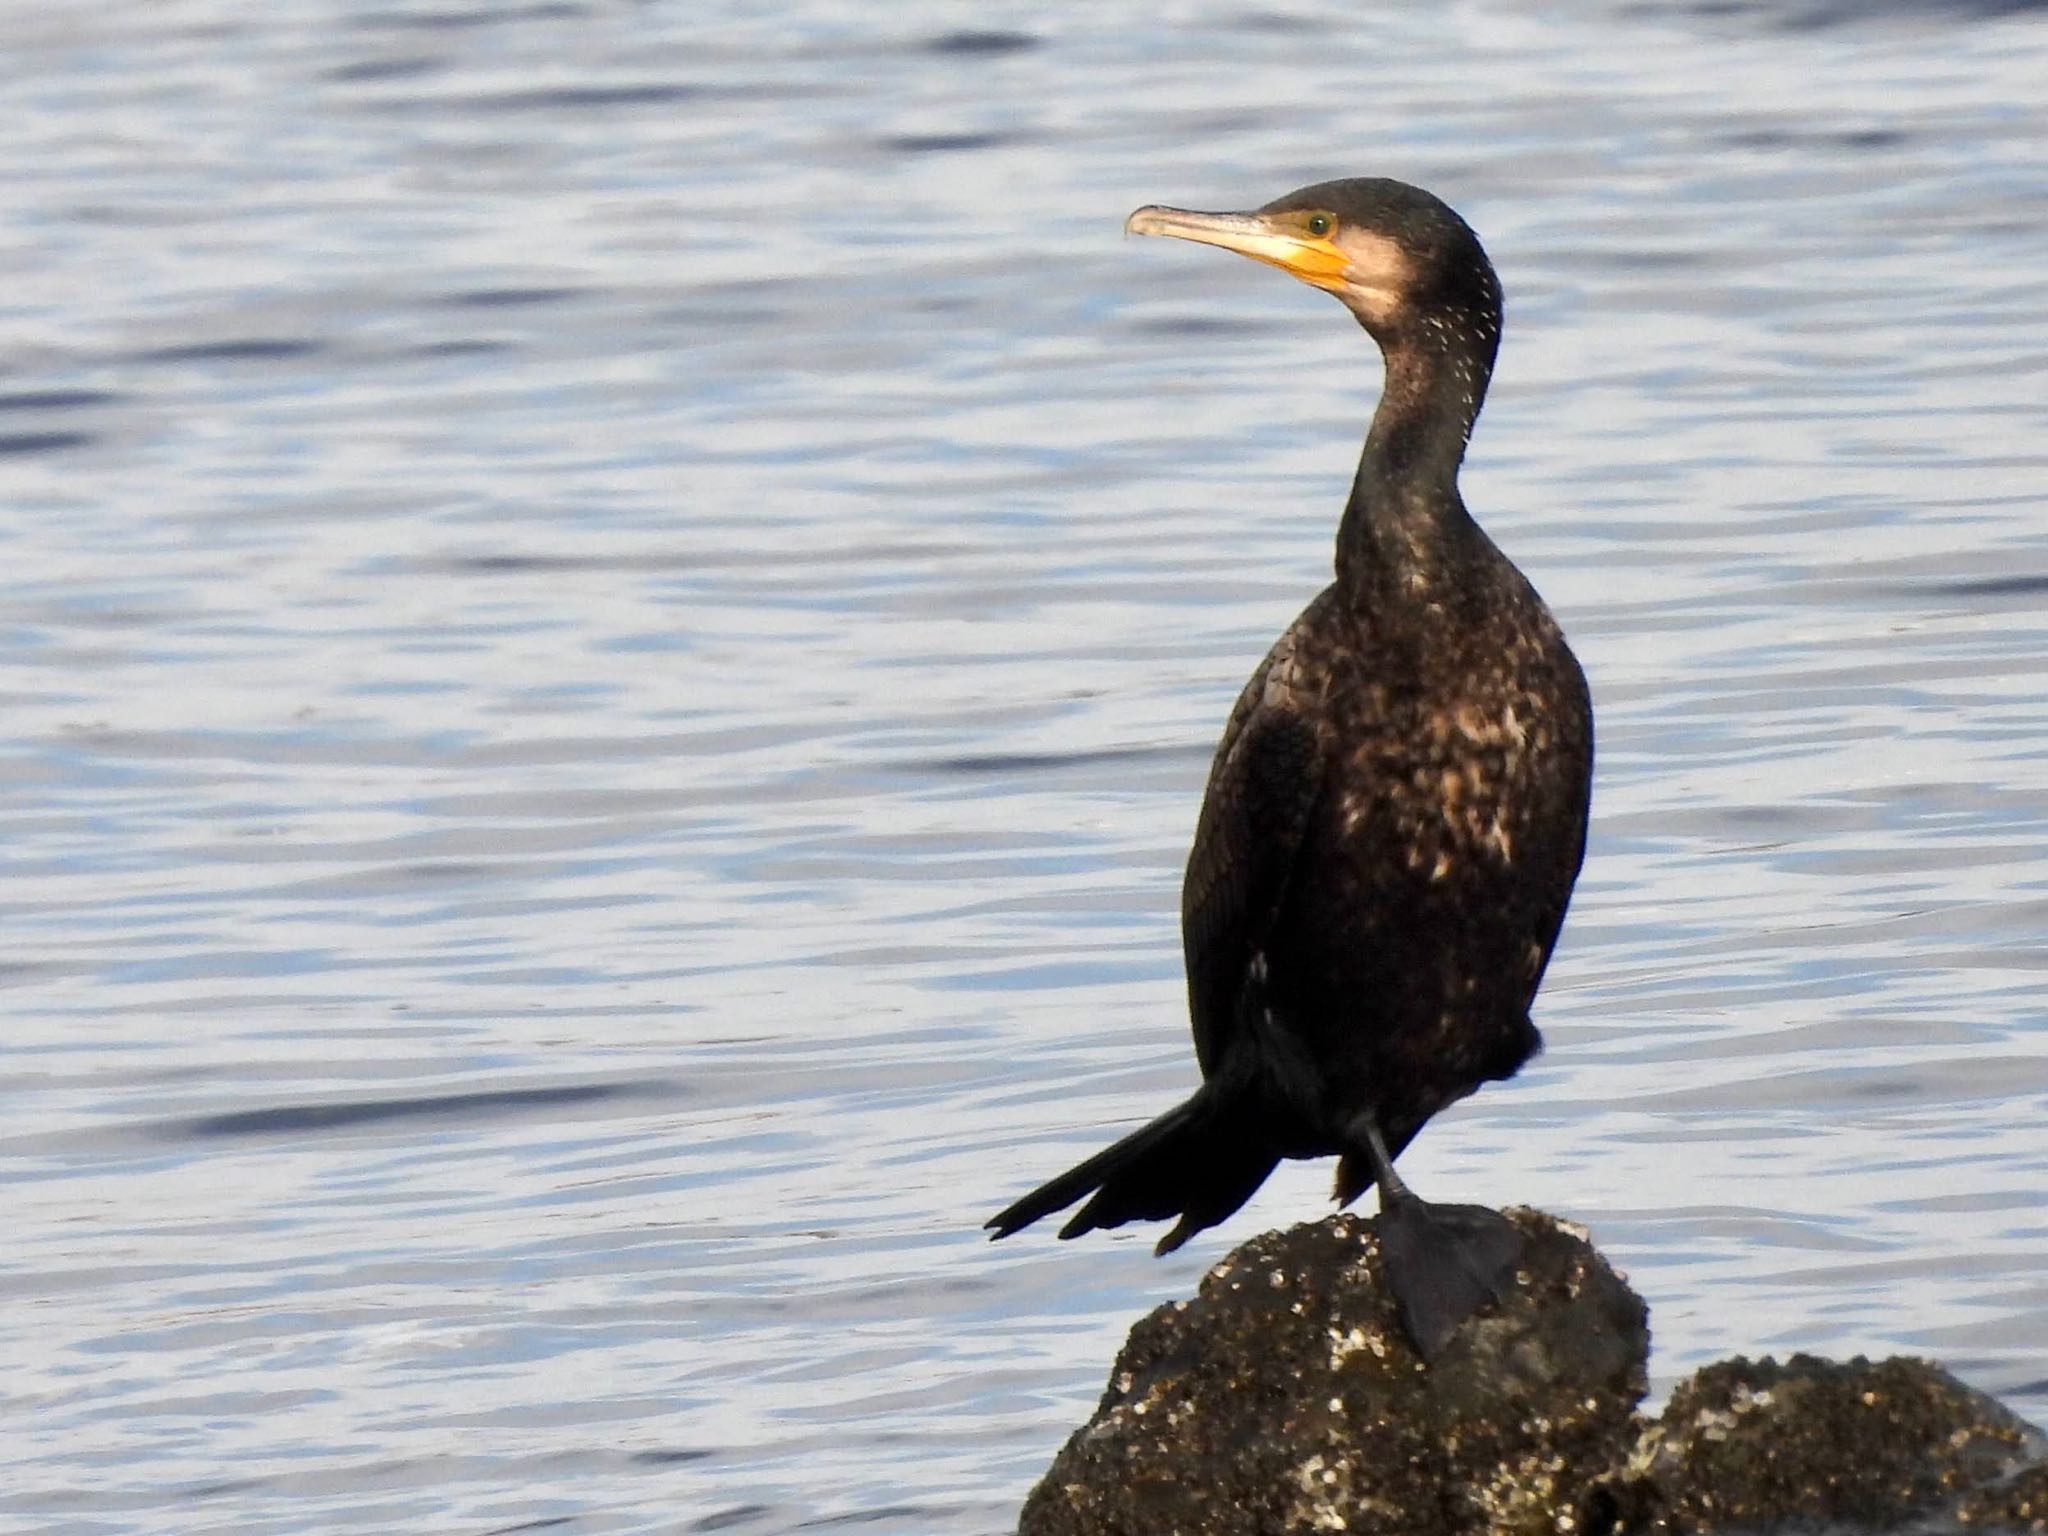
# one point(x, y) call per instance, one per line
point(1262, 788)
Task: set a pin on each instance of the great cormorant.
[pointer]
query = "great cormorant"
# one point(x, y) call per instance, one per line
point(1397, 810)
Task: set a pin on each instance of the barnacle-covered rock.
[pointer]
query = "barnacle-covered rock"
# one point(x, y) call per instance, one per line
point(1284, 1397)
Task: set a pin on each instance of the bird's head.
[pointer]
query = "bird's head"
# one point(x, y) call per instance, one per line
point(1397, 256)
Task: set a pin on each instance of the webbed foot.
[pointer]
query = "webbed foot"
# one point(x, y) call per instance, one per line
point(1443, 1263)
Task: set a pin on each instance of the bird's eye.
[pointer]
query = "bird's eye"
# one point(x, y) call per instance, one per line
point(1320, 224)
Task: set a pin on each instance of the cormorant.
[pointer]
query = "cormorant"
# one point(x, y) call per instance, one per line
point(1396, 812)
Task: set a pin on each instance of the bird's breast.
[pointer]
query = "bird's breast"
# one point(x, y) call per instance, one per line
point(1442, 779)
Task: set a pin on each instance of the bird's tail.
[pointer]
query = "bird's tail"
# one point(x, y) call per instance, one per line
point(1199, 1161)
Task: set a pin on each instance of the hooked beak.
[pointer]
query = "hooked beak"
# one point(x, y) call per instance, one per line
point(1315, 261)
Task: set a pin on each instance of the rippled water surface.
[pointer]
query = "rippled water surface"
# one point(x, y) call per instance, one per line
point(615, 614)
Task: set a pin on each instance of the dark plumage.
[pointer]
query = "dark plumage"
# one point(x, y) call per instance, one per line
point(1397, 810)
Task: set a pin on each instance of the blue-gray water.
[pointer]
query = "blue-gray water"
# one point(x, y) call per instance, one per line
point(614, 615)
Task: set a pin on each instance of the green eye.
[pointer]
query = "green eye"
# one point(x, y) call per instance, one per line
point(1320, 224)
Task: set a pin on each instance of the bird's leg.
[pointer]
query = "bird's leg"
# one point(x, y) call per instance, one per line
point(1442, 1262)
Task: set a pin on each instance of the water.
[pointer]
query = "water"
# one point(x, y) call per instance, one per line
point(615, 618)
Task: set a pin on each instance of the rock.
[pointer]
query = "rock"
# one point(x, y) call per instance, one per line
point(1285, 1398)
point(1755, 1446)
point(2017, 1503)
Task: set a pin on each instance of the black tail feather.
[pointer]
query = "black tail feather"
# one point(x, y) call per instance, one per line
point(1199, 1161)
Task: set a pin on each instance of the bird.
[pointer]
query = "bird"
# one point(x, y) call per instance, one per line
point(1396, 814)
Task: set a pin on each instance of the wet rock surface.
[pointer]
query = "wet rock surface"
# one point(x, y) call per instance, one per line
point(1758, 1446)
point(2016, 1503)
point(1284, 1398)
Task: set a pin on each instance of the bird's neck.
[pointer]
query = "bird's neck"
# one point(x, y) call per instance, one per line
point(1405, 525)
